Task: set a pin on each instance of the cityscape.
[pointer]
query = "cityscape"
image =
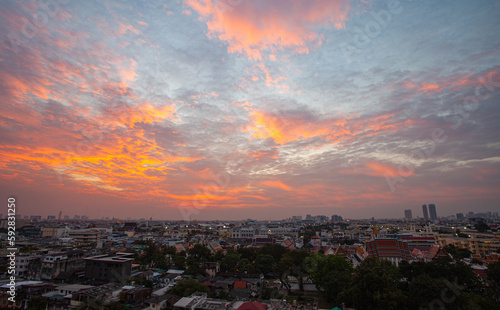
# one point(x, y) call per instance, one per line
point(249, 154)
point(83, 263)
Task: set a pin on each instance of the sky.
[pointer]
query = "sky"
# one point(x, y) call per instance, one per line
point(236, 109)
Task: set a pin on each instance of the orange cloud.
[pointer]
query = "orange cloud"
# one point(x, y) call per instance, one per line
point(108, 160)
point(277, 184)
point(429, 87)
point(441, 83)
point(129, 116)
point(381, 170)
point(287, 128)
point(282, 129)
point(251, 27)
point(260, 155)
point(124, 28)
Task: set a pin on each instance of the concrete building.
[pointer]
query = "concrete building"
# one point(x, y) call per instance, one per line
point(243, 233)
point(22, 264)
point(408, 215)
point(54, 263)
point(425, 213)
point(54, 232)
point(477, 245)
point(109, 268)
point(432, 212)
point(337, 218)
point(249, 233)
point(85, 236)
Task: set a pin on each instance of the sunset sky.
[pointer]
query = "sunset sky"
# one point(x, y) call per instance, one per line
point(235, 109)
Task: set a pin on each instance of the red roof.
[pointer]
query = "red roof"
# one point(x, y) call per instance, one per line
point(388, 248)
point(252, 305)
point(240, 284)
point(208, 283)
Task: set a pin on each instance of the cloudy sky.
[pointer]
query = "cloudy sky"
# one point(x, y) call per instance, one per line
point(232, 109)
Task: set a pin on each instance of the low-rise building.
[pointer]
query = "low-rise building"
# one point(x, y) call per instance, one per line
point(481, 246)
point(392, 250)
point(55, 263)
point(85, 236)
point(54, 232)
point(109, 268)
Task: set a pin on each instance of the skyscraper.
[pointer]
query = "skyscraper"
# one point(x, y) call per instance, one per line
point(408, 215)
point(426, 214)
point(432, 212)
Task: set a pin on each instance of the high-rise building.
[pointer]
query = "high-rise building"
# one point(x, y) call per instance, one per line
point(337, 218)
point(460, 216)
point(408, 215)
point(432, 212)
point(424, 211)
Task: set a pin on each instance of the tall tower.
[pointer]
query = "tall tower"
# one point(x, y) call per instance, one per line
point(408, 215)
point(426, 214)
point(432, 212)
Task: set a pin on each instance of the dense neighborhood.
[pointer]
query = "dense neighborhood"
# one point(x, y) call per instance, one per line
point(317, 262)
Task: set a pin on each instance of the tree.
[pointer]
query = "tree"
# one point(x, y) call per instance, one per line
point(141, 280)
point(179, 260)
point(293, 263)
point(308, 235)
point(374, 286)
point(482, 227)
point(330, 273)
point(90, 304)
point(153, 256)
point(200, 252)
point(194, 266)
point(269, 293)
point(456, 281)
point(37, 303)
point(423, 290)
point(457, 253)
point(493, 273)
point(115, 305)
point(230, 262)
point(217, 256)
point(169, 250)
point(188, 287)
point(265, 263)
point(245, 265)
point(248, 253)
point(275, 250)
point(222, 294)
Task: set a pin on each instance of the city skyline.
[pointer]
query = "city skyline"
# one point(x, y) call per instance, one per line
point(408, 216)
point(250, 109)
